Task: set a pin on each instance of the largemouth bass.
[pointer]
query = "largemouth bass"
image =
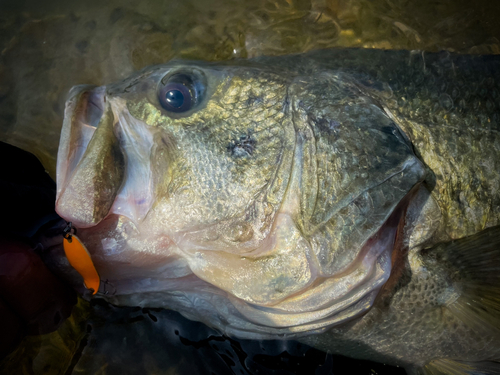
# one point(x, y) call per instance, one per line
point(345, 198)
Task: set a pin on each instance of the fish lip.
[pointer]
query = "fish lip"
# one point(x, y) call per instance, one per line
point(89, 113)
point(76, 127)
point(76, 90)
point(85, 107)
point(85, 104)
point(96, 100)
point(90, 104)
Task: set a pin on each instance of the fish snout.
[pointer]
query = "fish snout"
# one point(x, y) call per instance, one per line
point(105, 160)
point(90, 164)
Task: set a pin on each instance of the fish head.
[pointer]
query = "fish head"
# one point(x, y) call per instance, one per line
point(262, 201)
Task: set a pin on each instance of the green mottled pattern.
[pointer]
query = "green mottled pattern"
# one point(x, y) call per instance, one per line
point(449, 107)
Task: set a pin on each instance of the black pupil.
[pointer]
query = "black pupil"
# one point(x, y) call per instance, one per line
point(175, 98)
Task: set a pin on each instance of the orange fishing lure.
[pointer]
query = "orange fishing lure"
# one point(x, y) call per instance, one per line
point(80, 259)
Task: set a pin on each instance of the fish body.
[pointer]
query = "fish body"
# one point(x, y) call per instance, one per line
point(340, 197)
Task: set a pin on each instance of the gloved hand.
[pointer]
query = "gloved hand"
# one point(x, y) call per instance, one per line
point(32, 300)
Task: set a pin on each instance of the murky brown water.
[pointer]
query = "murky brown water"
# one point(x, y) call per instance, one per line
point(48, 46)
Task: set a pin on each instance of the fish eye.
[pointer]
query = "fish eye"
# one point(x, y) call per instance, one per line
point(180, 92)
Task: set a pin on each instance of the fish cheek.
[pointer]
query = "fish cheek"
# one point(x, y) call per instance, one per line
point(225, 165)
point(240, 232)
point(237, 152)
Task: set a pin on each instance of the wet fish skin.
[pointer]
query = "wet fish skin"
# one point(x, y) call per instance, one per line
point(448, 304)
point(447, 105)
point(295, 201)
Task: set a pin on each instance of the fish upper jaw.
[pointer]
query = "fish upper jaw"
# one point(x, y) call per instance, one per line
point(104, 164)
point(78, 129)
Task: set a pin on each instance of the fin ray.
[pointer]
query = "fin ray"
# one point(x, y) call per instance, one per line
point(444, 366)
point(473, 264)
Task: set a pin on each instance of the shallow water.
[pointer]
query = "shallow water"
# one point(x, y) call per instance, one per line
point(47, 47)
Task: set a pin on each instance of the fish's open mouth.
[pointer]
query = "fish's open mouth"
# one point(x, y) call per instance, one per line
point(116, 177)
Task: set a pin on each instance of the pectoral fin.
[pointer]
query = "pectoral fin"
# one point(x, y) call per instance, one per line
point(473, 265)
point(449, 367)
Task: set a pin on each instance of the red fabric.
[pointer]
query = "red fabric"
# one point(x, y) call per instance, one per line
point(32, 300)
